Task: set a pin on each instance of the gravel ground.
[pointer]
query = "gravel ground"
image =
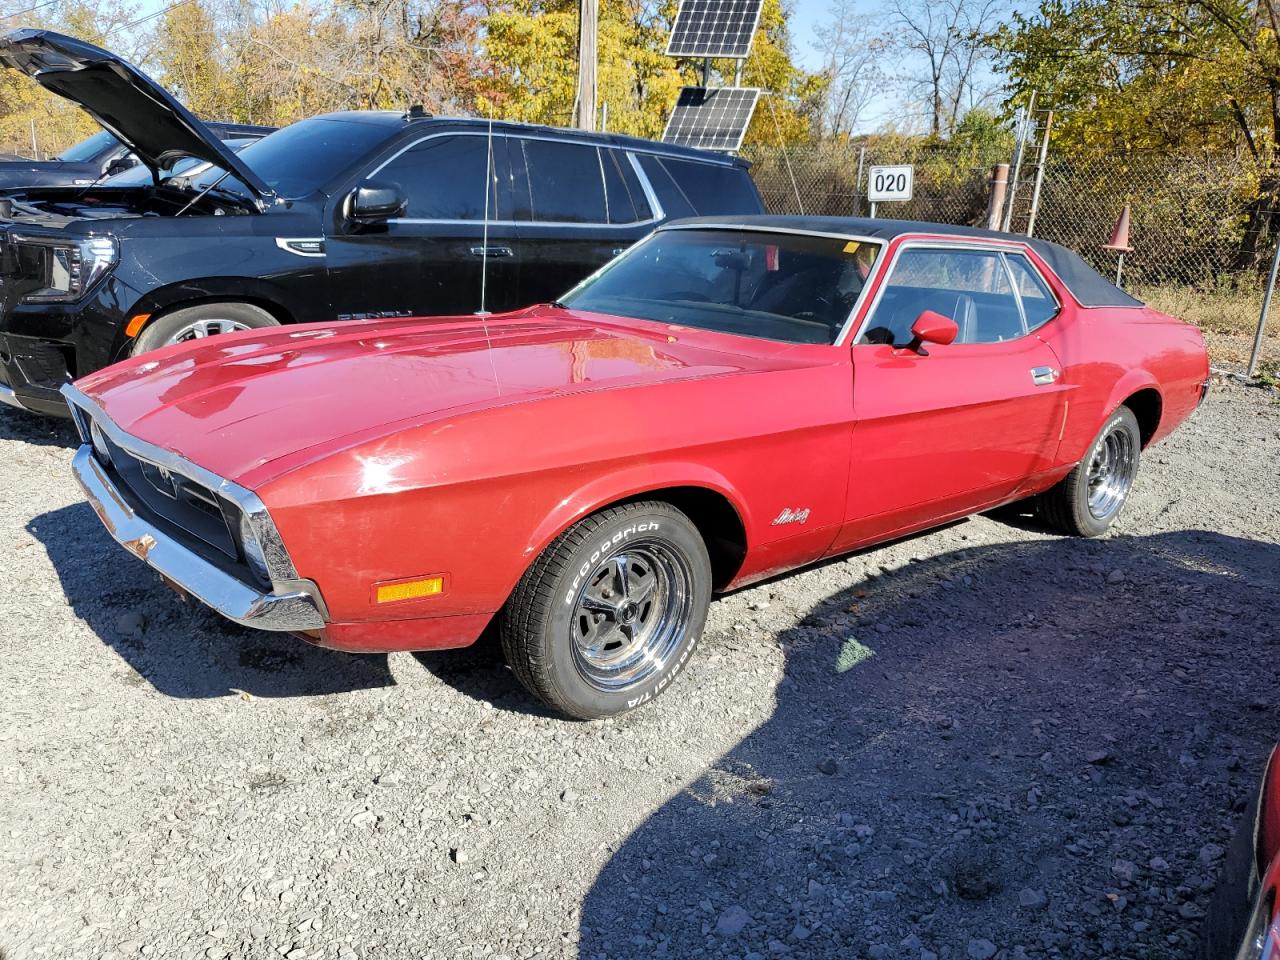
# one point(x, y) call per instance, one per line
point(984, 742)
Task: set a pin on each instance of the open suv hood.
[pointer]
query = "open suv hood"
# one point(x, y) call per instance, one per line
point(142, 114)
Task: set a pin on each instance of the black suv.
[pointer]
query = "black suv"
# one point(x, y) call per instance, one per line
point(96, 158)
point(343, 216)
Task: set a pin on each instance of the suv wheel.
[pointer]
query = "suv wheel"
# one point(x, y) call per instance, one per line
point(198, 322)
point(607, 616)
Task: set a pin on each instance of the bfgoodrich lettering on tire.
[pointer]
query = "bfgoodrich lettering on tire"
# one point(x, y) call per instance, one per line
point(607, 616)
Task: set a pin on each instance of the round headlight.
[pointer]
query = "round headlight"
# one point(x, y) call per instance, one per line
point(253, 554)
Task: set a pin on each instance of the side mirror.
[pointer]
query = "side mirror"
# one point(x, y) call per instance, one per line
point(932, 327)
point(121, 164)
point(373, 202)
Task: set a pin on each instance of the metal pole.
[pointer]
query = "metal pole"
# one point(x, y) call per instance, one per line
point(1256, 355)
point(1119, 268)
point(857, 180)
point(995, 200)
point(873, 209)
point(1024, 115)
point(1035, 193)
point(604, 117)
point(35, 146)
point(706, 72)
point(585, 113)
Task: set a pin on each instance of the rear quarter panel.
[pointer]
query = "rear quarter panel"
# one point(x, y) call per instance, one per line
point(478, 496)
point(1109, 354)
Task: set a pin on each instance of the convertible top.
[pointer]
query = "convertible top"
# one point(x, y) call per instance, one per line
point(1088, 286)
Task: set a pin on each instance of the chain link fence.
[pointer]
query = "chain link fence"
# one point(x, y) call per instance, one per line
point(1201, 238)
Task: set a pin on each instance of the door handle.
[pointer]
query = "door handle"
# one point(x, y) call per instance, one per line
point(492, 251)
point(1044, 376)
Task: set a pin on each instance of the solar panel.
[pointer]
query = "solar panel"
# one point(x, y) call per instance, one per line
point(714, 28)
point(713, 118)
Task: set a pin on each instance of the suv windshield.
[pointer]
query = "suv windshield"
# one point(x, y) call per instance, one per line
point(779, 286)
point(86, 150)
point(303, 157)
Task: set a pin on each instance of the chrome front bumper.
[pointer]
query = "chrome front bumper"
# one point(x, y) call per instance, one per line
point(8, 397)
point(293, 611)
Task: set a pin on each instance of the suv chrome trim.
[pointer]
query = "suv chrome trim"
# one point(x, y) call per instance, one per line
point(655, 208)
point(294, 610)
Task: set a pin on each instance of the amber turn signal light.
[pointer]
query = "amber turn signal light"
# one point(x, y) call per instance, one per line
point(408, 589)
point(136, 324)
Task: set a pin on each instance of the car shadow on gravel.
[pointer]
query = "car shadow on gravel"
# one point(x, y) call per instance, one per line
point(183, 649)
point(1028, 749)
point(35, 429)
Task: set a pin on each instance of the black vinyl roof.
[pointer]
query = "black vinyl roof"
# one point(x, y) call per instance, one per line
point(1088, 286)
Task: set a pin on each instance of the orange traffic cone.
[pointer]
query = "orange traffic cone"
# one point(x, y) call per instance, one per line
point(1120, 234)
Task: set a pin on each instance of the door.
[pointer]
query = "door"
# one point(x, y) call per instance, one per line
point(963, 426)
point(440, 255)
point(579, 206)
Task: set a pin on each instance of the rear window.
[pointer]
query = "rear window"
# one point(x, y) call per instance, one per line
point(687, 188)
point(623, 192)
point(566, 182)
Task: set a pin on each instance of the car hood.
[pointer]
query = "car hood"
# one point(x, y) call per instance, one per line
point(241, 402)
point(143, 115)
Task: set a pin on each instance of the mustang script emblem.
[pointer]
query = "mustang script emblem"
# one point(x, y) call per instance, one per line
point(791, 516)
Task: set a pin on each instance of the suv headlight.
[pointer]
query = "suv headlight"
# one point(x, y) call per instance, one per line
point(67, 269)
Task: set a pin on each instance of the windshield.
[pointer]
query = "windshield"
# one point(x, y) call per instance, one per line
point(86, 150)
point(789, 287)
point(303, 157)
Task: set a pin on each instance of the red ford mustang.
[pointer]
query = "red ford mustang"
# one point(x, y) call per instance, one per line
point(723, 402)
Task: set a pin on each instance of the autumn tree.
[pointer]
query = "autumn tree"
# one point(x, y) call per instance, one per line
point(1127, 75)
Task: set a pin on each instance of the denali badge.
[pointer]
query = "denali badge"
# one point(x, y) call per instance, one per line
point(791, 516)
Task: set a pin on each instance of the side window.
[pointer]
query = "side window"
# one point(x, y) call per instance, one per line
point(969, 286)
point(674, 202)
point(444, 178)
point(623, 193)
point(565, 182)
point(1038, 303)
point(714, 188)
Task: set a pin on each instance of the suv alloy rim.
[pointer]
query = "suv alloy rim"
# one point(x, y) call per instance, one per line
point(632, 614)
point(1111, 472)
point(199, 329)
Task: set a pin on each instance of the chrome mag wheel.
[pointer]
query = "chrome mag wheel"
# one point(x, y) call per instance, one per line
point(1111, 471)
point(199, 329)
point(632, 615)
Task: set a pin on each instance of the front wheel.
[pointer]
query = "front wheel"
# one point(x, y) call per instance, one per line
point(1087, 501)
point(608, 614)
point(200, 321)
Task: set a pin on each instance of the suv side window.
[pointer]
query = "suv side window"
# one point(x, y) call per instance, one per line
point(566, 183)
point(1038, 303)
point(714, 188)
point(675, 203)
point(444, 178)
point(623, 193)
point(969, 286)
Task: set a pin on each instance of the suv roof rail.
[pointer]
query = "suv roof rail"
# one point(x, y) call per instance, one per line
point(417, 112)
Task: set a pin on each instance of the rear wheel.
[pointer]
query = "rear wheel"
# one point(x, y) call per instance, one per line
point(1088, 500)
point(607, 616)
point(200, 321)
